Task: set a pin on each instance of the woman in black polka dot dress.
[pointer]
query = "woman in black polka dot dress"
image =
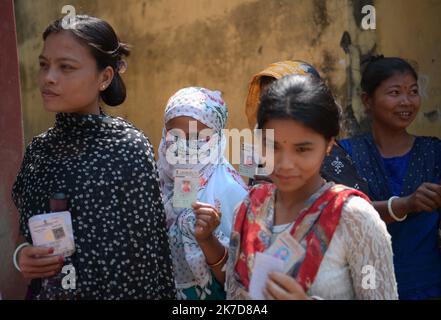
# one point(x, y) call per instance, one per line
point(103, 165)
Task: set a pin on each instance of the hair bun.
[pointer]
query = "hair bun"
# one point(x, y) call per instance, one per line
point(123, 49)
point(368, 60)
point(372, 58)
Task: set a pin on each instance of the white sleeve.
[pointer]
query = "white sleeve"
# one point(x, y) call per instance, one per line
point(369, 251)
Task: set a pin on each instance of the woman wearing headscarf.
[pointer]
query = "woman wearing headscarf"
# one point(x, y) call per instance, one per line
point(337, 165)
point(196, 256)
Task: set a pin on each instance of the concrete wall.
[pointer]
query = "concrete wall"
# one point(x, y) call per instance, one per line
point(221, 44)
point(414, 32)
point(176, 43)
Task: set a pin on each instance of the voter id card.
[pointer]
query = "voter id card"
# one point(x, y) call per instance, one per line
point(286, 248)
point(53, 230)
point(247, 166)
point(186, 187)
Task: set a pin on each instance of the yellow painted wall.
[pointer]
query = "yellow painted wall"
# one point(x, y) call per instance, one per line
point(221, 44)
point(412, 29)
point(178, 43)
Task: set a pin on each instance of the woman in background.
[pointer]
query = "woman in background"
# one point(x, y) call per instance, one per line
point(403, 172)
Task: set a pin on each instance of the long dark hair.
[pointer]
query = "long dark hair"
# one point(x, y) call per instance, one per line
point(377, 69)
point(105, 47)
point(304, 99)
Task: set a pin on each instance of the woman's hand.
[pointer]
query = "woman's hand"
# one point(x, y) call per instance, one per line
point(207, 220)
point(426, 198)
point(283, 287)
point(34, 262)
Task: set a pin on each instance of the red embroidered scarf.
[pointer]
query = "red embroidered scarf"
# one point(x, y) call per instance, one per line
point(315, 224)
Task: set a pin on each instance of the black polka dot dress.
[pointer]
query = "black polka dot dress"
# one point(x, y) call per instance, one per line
point(106, 168)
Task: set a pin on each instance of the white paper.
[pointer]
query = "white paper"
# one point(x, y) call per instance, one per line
point(263, 264)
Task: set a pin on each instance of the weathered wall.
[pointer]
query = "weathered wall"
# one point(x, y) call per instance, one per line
point(221, 44)
point(415, 33)
point(216, 44)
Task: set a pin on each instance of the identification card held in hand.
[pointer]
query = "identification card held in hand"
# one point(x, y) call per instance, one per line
point(186, 187)
point(53, 230)
point(287, 249)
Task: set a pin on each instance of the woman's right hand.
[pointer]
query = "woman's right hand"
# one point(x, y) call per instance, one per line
point(208, 219)
point(426, 198)
point(35, 262)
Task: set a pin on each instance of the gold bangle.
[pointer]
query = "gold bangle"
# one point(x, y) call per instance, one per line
point(220, 261)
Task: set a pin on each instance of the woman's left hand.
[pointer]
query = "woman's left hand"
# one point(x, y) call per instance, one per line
point(283, 287)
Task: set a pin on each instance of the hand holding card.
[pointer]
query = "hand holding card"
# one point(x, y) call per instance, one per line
point(53, 230)
point(37, 262)
point(281, 286)
point(207, 220)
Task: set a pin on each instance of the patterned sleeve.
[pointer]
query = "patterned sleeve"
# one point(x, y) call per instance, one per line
point(18, 188)
point(369, 252)
point(346, 145)
point(338, 167)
